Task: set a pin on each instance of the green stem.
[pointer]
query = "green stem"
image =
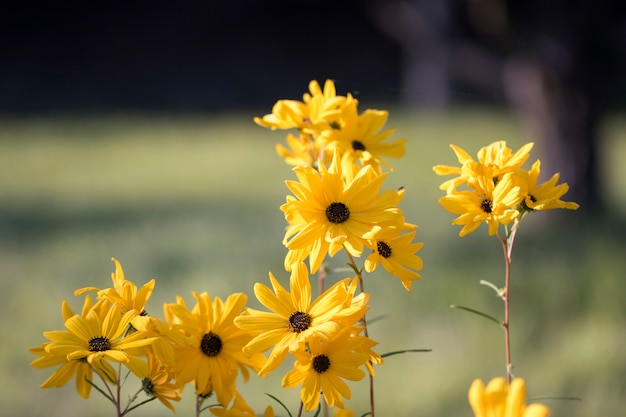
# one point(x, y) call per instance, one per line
point(507, 248)
point(365, 332)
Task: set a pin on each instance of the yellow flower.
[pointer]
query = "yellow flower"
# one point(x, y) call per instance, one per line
point(545, 196)
point(397, 254)
point(323, 364)
point(359, 139)
point(158, 383)
point(98, 337)
point(124, 292)
point(499, 158)
point(315, 113)
point(491, 203)
point(211, 351)
point(328, 214)
point(502, 400)
point(67, 369)
point(293, 318)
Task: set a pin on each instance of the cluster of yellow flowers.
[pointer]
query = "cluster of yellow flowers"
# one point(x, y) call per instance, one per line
point(337, 205)
point(201, 345)
point(497, 190)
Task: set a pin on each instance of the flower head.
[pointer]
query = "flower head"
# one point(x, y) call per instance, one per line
point(294, 318)
point(498, 157)
point(124, 292)
point(397, 254)
point(317, 110)
point(323, 365)
point(209, 349)
point(545, 196)
point(489, 203)
point(102, 335)
point(159, 383)
point(359, 139)
point(328, 213)
point(502, 400)
point(67, 369)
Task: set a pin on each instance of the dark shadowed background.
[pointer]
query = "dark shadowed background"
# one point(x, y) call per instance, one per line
point(558, 63)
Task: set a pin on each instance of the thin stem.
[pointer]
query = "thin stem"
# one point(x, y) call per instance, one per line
point(118, 387)
point(321, 276)
point(199, 401)
point(131, 400)
point(365, 332)
point(507, 248)
point(300, 409)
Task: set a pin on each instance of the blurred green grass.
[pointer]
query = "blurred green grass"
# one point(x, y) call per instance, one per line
point(193, 202)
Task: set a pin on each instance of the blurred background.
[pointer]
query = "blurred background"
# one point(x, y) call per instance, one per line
point(126, 131)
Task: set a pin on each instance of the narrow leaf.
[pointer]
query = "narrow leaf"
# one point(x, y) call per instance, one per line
point(397, 352)
point(375, 319)
point(556, 398)
point(279, 402)
point(480, 313)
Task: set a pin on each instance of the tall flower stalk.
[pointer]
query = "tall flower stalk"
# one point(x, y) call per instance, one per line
point(495, 190)
point(337, 205)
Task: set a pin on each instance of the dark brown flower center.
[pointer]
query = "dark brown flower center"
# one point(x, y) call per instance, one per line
point(357, 145)
point(532, 198)
point(299, 322)
point(321, 363)
point(337, 213)
point(384, 249)
point(211, 344)
point(99, 344)
point(147, 386)
point(486, 206)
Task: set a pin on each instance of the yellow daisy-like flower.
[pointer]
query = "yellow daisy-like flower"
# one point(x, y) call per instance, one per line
point(496, 156)
point(124, 292)
point(316, 112)
point(360, 140)
point(97, 338)
point(159, 383)
point(67, 369)
point(397, 254)
point(545, 196)
point(328, 213)
point(501, 400)
point(293, 318)
point(493, 204)
point(323, 364)
point(211, 353)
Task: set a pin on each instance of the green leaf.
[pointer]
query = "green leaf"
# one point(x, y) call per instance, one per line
point(279, 402)
point(100, 390)
point(375, 319)
point(397, 352)
point(480, 313)
point(556, 398)
point(140, 404)
point(499, 291)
